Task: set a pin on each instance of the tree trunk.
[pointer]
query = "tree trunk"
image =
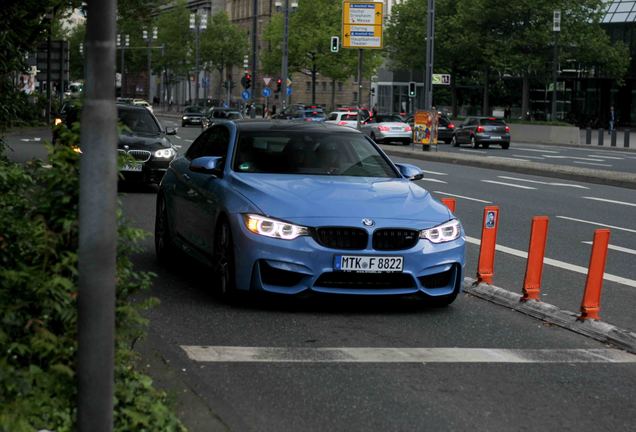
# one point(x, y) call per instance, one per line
point(485, 109)
point(525, 97)
point(220, 89)
point(454, 92)
point(313, 79)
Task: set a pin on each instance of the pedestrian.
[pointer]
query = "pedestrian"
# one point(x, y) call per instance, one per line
point(612, 120)
point(507, 113)
point(374, 111)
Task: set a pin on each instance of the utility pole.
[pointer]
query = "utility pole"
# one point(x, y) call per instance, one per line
point(198, 22)
point(285, 55)
point(254, 54)
point(97, 269)
point(149, 38)
point(556, 28)
point(430, 46)
point(122, 45)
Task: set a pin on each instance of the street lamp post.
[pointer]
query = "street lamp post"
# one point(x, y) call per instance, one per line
point(122, 45)
point(149, 38)
point(556, 28)
point(198, 22)
point(430, 46)
point(284, 66)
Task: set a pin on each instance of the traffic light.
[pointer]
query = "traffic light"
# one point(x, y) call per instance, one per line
point(335, 44)
point(248, 81)
point(412, 89)
point(279, 82)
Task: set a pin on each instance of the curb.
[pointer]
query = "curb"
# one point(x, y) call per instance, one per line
point(598, 330)
point(608, 178)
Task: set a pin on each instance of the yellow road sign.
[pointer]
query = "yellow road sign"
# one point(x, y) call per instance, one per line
point(362, 24)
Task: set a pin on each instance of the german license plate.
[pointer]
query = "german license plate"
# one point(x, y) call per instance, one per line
point(494, 137)
point(131, 167)
point(369, 264)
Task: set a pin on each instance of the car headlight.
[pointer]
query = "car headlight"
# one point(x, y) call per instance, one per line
point(445, 232)
point(273, 228)
point(184, 118)
point(165, 153)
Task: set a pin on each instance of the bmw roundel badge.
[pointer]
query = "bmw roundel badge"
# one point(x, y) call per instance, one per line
point(368, 222)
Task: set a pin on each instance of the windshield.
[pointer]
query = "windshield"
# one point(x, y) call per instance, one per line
point(138, 121)
point(310, 152)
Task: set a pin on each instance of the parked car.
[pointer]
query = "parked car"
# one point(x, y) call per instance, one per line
point(192, 115)
point(387, 128)
point(366, 113)
point(291, 208)
point(445, 127)
point(142, 140)
point(343, 118)
point(482, 131)
point(143, 103)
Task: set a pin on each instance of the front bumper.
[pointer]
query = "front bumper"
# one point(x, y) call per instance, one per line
point(303, 265)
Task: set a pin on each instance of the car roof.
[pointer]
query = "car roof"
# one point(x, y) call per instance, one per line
point(282, 125)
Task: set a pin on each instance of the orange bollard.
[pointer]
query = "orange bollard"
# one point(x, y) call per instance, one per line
point(486, 266)
point(536, 252)
point(450, 203)
point(591, 304)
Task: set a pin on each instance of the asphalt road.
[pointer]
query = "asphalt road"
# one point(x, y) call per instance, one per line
point(268, 364)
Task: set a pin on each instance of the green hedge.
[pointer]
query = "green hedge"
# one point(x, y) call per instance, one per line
point(38, 303)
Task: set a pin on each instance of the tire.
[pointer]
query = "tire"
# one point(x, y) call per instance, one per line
point(224, 267)
point(372, 136)
point(183, 125)
point(485, 145)
point(505, 146)
point(406, 142)
point(454, 142)
point(165, 248)
point(473, 142)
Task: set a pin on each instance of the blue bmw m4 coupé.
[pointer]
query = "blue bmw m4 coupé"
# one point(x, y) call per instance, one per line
point(288, 208)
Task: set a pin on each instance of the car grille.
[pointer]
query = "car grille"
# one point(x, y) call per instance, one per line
point(138, 155)
point(394, 239)
point(345, 280)
point(342, 237)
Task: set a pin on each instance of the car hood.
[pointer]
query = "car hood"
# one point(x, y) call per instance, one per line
point(139, 141)
point(302, 197)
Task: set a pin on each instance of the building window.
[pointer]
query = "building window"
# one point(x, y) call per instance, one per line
point(324, 86)
point(339, 85)
point(308, 85)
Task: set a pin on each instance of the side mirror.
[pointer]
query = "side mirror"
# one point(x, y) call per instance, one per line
point(409, 171)
point(171, 131)
point(208, 165)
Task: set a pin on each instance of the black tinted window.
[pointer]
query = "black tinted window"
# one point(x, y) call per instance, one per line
point(492, 122)
point(138, 120)
point(212, 142)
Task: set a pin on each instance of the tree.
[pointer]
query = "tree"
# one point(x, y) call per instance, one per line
point(223, 45)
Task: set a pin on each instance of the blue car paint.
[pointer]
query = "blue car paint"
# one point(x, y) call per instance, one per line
point(310, 201)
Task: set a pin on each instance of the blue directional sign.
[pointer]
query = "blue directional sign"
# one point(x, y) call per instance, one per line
point(267, 92)
point(289, 91)
point(246, 95)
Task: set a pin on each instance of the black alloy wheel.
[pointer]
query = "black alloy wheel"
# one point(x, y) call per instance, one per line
point(505, 146)
point(165, 249)
point(224, 269)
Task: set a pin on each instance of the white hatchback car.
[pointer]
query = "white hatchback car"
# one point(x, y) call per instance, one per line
point(388, 128)
point(343, 118)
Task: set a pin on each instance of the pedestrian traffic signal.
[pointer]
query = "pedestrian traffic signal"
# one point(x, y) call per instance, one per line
point(412, 89)
point(335, 44)
point(279, 82)
point(248, 81)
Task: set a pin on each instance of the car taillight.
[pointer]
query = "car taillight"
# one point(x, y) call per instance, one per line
point(308, 119)
point(507, 128)
point(342, 123)
point(407, 129)
point(384, 128)
point(480, 129)
point(451, 126)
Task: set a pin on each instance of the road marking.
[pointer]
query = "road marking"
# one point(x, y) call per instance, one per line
point(509, 184)
point(610, 201)
point(556, 263)
point(593, 164)
point(188, 140)
point(239, 354)
point(606, 157)
point(535, 150)
point(530, 157)
point(463, 197)
point(509, 158)
point(616, 248)
point(434, 173)
point(575, 157)
point(177, 146)
point(433, 180)
point(598, 224)
point(545, 183)
point(177, 137)
point(472, 151)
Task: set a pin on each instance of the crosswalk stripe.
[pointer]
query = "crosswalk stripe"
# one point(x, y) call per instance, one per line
point(234, 354)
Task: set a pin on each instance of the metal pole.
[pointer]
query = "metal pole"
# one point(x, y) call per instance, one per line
point(97, 225)
point(285, 56)
point(148, 95)
point(196, 61)
point(61, 77)
point(254, 54)
point(430, 46)
point(359, 97)
point(555, 73)
point(48, 68)
point(123, 87)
